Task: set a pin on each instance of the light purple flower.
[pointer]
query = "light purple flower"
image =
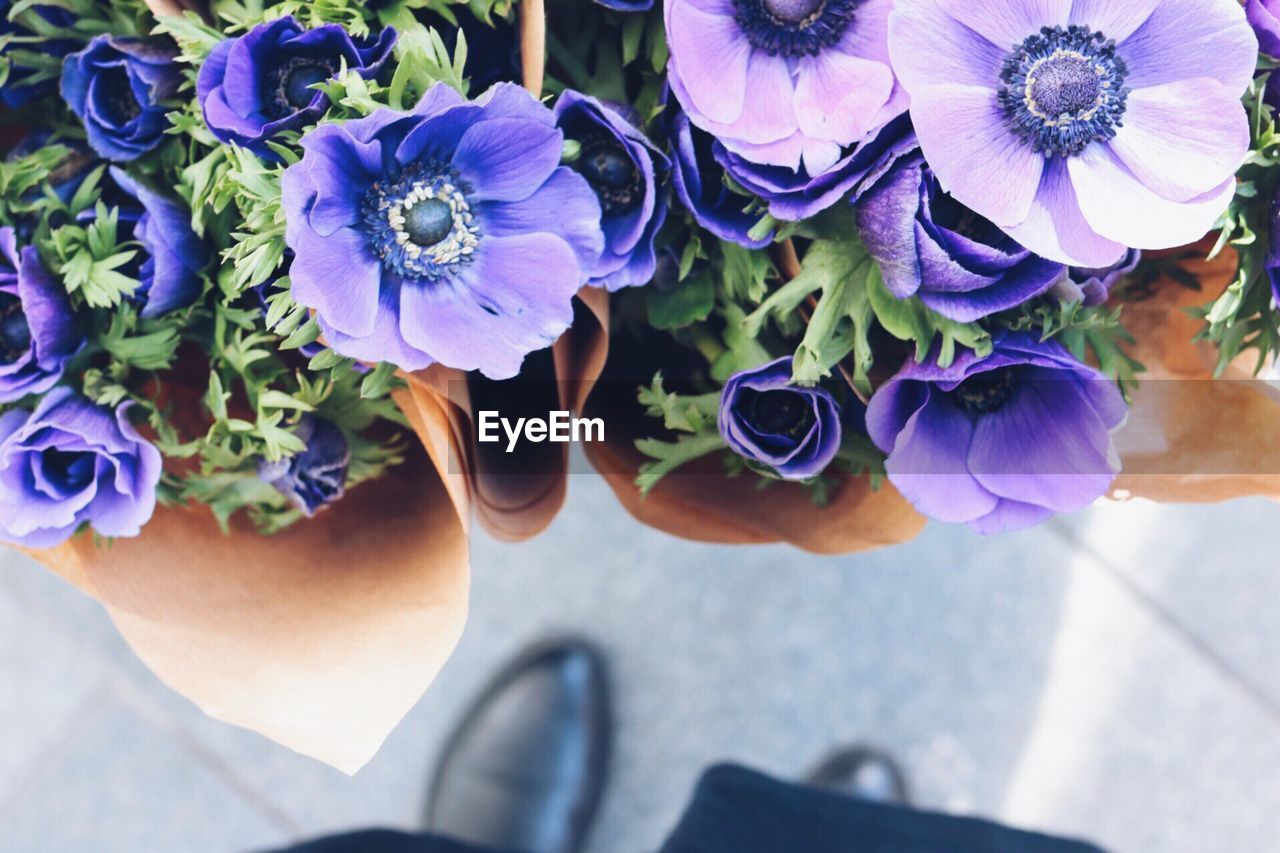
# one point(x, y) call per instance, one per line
point(1081, 127)
point(1000, 443)
point(626, 171)
point(38, 329)
point(70, 463)
point(450, 234)
point(786, 83)
point(792, 430)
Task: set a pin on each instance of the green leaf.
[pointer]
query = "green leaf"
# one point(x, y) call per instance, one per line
point(689, 302)
point(668, 456)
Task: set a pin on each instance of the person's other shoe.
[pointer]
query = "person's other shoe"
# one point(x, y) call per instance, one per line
point(862, 772)
point(526, 767)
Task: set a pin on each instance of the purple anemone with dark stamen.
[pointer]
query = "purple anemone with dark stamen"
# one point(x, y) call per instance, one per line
point(118, 87)
point(626, 171)
point(255, 86)
point(449, 234)
point(1081, 127)
point(793, 430)
point(787, 83)
point(1003, 442)
point(38, 329)
point(69, 463)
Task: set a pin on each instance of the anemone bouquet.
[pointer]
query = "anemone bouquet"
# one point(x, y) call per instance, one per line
point(854, 263)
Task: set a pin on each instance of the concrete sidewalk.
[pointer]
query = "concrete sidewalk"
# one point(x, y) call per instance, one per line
point(1114, 676)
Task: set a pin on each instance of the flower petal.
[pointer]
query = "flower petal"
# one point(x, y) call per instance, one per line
point(976, 157)
point(1183, 139)
point(1184, 39)
point(339, 277)
point(709, 54)
point(1007, 23)
point(1057, 229)
point(1116, 21)
point(928, 46)
point(507, 159)
point(928, 465)
point(1120, 207)
point(838, 96)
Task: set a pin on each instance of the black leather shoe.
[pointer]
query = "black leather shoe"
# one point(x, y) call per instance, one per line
point(864, 773)
point(526, 767)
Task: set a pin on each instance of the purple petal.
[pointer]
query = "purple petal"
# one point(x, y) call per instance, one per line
point(1056, 228)
point(1117, 205)
point(928, 464)
point(709, 55)
point(1116, 21)
point(1183, 139)
point(339, 277)
point(507, 159)
point(1006, 23)
point(928, 46)
point(1185, 39)
point(965, 138)
point(1009, 516)
point(837, 96)
point(565, 204)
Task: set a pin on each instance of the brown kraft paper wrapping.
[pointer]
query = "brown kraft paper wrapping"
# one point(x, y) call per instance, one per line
point(1190, 438)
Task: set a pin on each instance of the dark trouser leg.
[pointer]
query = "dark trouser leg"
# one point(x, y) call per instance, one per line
point(387, 841)
point(735, 810)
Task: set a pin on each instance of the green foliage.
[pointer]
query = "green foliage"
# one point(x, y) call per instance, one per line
point(1244, 317)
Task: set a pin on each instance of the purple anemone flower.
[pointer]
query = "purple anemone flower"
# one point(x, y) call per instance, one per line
point(450, 234)
point(70, 463)
point(1264, 16)
point(117, 87)
point(38, 329)
point(699, 184)
point(796, 194)
point(786, 83)
point(793, 430)
point(255, 86)
point(317, 476)
point(172, 259)
point(930, 245)
point(1081, 127)
point(1093, 286)
point(626, 171)
point(1003, 442)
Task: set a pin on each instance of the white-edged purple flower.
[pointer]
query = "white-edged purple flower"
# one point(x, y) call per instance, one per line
point(450, 234)
point(317, 476)
point(929, 245)
point(38, 329)
point(261, 83)
point(795, 194)
point(1081, 127)
point(1003, 442)
point(793, 430)
point(117, 87)
point(786, 83)
point(70, 463)
point(626, 171)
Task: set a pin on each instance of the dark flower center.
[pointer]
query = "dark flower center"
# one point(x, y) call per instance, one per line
point(15, 334)
point(69, 471)
point(986, 392)
point(288, 85)
point(1064, 89)
point(419, 221)
point(116, 101)
point(612, 174)
point(793, 27)
point(428, 222)
point(777, 412)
